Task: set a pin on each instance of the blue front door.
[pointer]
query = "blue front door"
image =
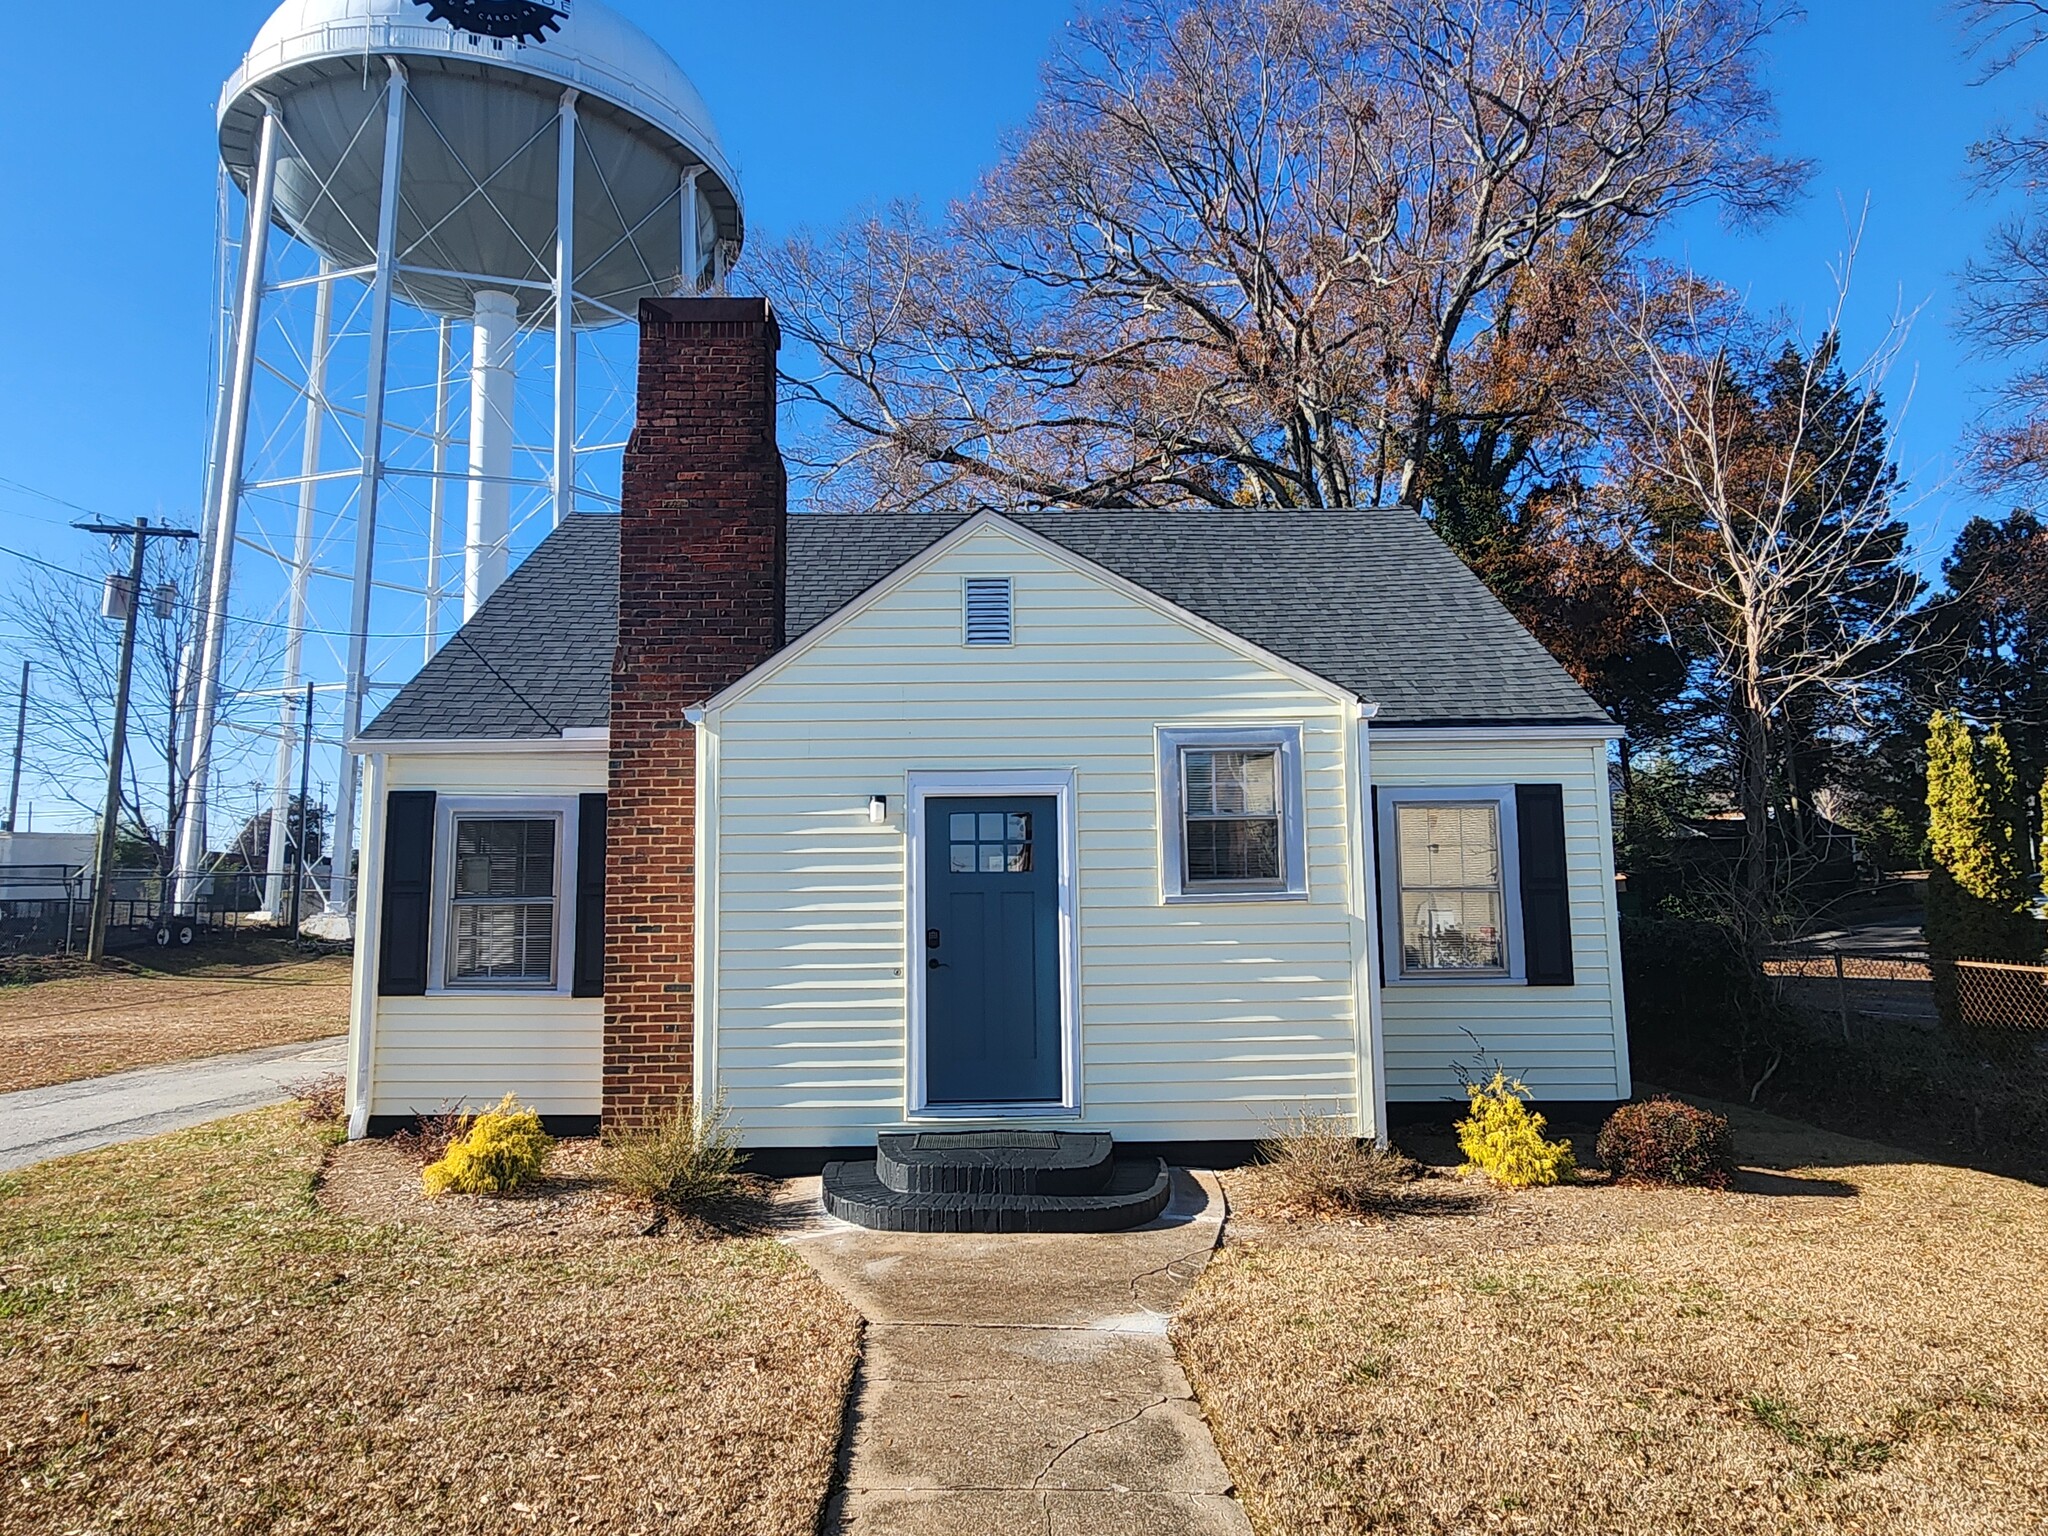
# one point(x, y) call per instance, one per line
point(991, 949)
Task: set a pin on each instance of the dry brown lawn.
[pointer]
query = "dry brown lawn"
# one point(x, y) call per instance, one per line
point(83, 1026)
point(205, 1333)
point(1852, 1342)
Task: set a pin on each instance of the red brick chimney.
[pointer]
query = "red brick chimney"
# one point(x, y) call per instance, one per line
point(701, 554)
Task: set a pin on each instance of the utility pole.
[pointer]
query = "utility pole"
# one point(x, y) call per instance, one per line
point(305, 788)
point(110, 817)
point(20, 736)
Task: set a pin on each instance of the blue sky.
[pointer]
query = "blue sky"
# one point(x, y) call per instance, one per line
point(104, 286)
point(110, 182)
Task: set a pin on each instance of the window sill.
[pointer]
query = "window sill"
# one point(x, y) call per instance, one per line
point(1213, 898)
point(499, 989)
point(1454, 981)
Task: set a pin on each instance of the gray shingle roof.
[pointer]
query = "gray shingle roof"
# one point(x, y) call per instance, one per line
point(535, 661)
point(1372, 601)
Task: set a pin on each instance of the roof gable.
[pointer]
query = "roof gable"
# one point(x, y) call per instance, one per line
point(964, 538)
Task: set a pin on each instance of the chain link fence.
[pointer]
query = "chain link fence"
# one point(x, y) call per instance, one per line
point(2002, 1000)
point(1854, 991)
point(47, 909)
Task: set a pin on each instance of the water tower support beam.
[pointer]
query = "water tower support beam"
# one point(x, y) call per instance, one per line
point(297, 609)
point(338, 881)
point(493, 382)
point(437, 493)
point(565, 314)
point(220, 560)
point(693, 244)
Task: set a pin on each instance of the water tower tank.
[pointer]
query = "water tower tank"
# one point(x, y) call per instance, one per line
point(451, 211)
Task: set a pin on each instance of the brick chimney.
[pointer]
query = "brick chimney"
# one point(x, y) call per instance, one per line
point(701, 554)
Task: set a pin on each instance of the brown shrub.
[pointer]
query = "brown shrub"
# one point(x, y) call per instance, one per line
point(429, 1137)
point(322, 1100)
point(1667, 1141)
point(685, 1161)
point(1317, 1166)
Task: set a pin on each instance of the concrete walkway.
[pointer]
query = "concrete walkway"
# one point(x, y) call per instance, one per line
point(1025, 1384)
point(39, 1123)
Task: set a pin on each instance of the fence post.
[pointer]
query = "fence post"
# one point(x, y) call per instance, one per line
point(1842, 997)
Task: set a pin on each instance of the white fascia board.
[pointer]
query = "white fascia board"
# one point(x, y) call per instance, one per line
point(1483, 733)
point(595, 741)
point(911, 569)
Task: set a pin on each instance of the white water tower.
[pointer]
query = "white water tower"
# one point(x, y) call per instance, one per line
point(451, 210)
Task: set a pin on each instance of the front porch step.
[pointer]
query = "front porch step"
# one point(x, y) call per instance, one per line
point(995, 1162)
point(987, 1181)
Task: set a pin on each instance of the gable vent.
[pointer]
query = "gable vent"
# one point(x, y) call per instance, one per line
point(989, 614)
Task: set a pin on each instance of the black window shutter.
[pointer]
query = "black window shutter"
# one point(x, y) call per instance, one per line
point(408, 892)
point(590, 864)
point(1546, 887)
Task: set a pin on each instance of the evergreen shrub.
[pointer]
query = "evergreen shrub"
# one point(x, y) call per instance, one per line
point(1502, 1137)
point(501, 1150)
point(1667, 1141)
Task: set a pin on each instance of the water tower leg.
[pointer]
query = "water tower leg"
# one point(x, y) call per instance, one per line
point(692, 281)
point(338, 879)
point(493, 378)
point(296, 609)
point(228, 486)
point(565, 315)
point(437, 493)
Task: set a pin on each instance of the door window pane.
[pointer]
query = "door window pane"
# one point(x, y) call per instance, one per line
point(1452, 891)
point(990, 843)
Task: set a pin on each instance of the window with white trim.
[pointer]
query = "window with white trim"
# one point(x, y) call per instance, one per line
point(1449, 868)
point(503, 900)
point(1232, 813)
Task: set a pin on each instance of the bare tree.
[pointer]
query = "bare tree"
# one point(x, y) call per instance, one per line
point(76, 654)
point(1244, 249)
point(1765, 468)
point(2004, 307)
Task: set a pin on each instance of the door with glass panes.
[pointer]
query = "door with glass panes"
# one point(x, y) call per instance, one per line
point(991, 951)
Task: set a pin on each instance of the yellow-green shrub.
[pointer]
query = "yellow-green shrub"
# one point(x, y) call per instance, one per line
point(499, 1151)
point(1503, 1137)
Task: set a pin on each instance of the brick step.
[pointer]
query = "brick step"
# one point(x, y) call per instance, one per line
point(995, 1162)
point(1138, 1189)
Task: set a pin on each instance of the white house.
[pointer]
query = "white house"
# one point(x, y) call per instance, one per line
point(1161, 824)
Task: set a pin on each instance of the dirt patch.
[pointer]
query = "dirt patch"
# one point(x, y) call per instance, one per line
point(1851, 1341)
point(215, 1332)
point(84, 1026)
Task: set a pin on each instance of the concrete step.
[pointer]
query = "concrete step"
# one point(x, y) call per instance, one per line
point(995, 1162)
point(1136, 1190)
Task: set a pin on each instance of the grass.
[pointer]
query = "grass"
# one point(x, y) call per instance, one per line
point(167, 1006)
point(192, 1339)
point(1854, 1342)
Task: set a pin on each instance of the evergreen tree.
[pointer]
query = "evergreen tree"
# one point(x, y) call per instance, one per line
point(1976, 895)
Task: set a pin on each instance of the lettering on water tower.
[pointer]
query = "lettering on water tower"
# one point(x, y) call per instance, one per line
point(523, 21)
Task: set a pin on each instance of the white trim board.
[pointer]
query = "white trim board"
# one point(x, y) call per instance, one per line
point(597, 742)
point(919, 787)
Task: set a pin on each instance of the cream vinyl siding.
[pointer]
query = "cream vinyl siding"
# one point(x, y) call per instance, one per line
point(1565, 1042)
point(473, 1048)
point(1205, 1021)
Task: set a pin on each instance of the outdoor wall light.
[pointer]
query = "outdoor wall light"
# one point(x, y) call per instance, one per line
point(878, 809)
